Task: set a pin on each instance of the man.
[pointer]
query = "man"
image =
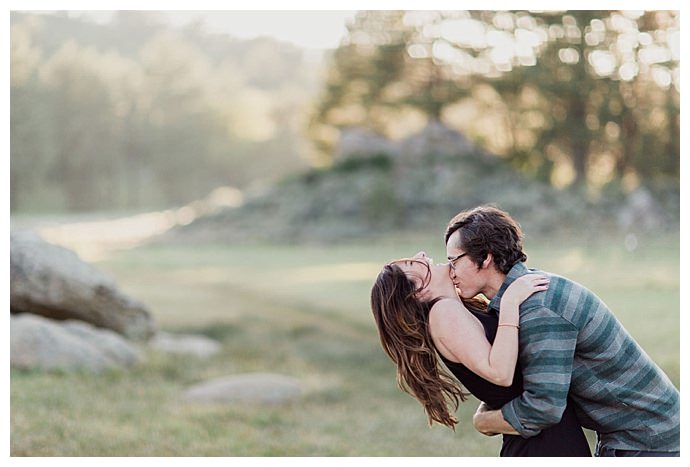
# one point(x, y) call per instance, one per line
point(570, 345)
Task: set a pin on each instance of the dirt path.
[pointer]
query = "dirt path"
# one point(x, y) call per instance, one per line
point(95, 236)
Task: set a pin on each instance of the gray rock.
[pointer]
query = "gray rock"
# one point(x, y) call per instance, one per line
point(257, 388)
point(185, 344)
point(38, 343)
point(52, 281)
point(358, 142)
point(435, 138)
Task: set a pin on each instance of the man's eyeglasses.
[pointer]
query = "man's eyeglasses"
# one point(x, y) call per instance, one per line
point(452, 260)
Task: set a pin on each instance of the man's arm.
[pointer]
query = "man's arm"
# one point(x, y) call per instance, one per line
point(491, 422)
point(547, 349)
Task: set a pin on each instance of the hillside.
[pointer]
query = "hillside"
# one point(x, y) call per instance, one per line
point(368, 195)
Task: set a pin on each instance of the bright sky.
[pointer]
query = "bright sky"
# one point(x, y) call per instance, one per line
point(305, 23)
point(309, 29)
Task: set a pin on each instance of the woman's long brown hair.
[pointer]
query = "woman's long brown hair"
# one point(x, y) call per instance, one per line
point(403, 324)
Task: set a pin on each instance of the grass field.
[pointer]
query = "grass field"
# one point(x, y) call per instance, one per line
point(302, 311)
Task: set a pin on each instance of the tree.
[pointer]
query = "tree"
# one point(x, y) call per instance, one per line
point(385, 65)
point(28, 125)
point(85, 130)
point(135, 114)
point(573, 90)
point(595, 90)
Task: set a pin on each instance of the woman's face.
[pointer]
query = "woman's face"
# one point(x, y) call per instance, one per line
point(431, 278)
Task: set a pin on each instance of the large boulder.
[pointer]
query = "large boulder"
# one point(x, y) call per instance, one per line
point(435, 138)
point(358, 142)
point(52, 281)
point(38, 343)
point(252, 388)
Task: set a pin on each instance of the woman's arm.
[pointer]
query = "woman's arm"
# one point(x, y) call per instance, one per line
point(460, 337)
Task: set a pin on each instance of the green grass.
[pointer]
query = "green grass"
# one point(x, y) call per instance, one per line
point(301, 311)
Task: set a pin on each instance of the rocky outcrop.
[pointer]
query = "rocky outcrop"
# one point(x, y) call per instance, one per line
point(52, 281)
point(434, 138)
point(361, 142)
point(38, 343)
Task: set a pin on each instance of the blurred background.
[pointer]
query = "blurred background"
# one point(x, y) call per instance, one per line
point(242, 176)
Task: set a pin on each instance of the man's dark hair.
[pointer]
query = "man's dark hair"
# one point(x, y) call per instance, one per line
point(487, 229)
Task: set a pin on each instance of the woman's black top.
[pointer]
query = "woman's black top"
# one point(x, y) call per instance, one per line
point(563, 439)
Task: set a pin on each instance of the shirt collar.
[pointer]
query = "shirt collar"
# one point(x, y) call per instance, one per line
point(518, 269)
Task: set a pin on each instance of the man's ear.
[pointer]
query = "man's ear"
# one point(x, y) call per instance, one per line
point(488, 261)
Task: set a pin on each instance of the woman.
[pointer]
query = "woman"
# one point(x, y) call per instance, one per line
point(420, 318)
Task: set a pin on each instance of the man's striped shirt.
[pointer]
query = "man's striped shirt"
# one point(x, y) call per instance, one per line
point(570, 342)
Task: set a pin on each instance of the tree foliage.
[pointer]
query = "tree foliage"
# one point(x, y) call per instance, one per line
point(574, 97)
point(134, 114)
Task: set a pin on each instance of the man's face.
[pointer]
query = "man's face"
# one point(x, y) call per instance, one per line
point(468, 278)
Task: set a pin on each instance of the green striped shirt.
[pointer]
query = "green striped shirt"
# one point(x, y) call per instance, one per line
point(571, 344)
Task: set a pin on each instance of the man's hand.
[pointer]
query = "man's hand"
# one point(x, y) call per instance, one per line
point(490, 422)
point(478, 420)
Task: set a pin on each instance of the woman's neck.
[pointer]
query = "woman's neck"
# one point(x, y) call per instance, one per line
point(448, 292)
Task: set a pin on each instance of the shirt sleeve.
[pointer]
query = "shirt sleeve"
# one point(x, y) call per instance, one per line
point(547, 349)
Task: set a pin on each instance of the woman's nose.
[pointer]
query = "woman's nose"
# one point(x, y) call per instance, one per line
point(420, 255)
